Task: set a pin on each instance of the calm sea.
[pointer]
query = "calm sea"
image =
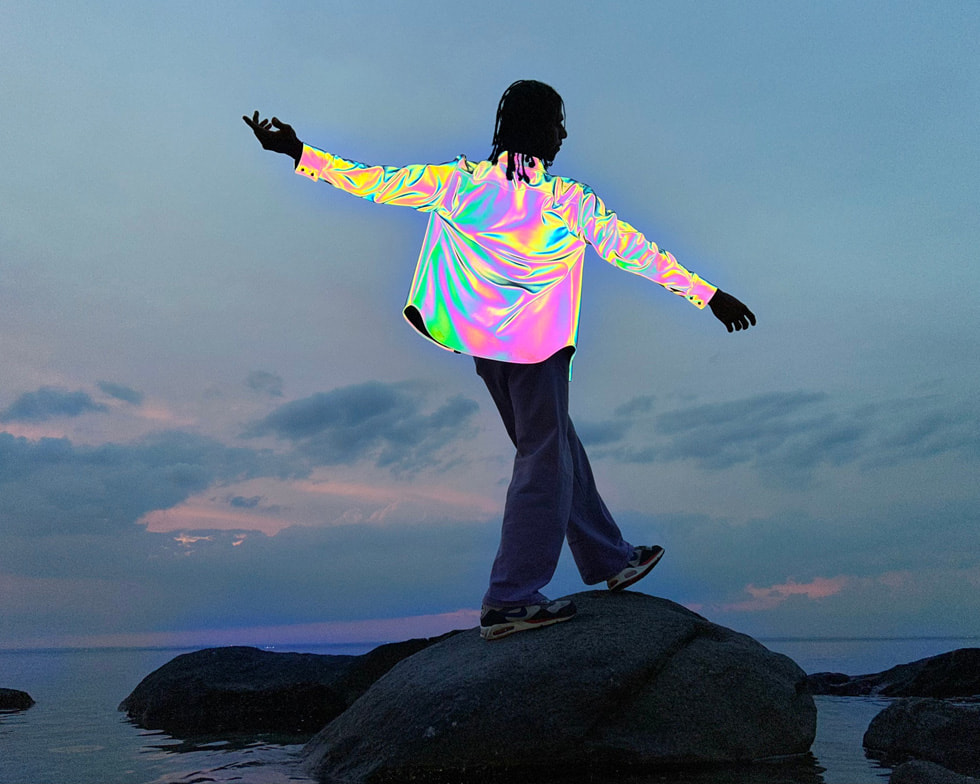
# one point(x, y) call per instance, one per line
point(74, 734)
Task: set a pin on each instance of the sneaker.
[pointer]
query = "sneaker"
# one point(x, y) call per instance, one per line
point(638, 567)
point(496, 623)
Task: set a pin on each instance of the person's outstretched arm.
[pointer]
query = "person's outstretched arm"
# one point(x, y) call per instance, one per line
point(419, 186)
point(621, 244)
point(276, 136)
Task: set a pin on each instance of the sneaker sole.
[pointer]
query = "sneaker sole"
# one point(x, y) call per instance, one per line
point(641, 571)
point(500, 630)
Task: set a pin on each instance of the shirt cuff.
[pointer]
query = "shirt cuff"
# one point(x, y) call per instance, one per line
point(312, 162)
point(700, 293)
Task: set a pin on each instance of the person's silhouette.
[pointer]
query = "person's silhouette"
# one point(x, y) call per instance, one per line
point(499, 278)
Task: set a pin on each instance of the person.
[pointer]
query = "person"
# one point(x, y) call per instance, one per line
point(499, 278)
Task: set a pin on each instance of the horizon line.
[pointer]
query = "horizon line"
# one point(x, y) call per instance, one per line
point(288, 646)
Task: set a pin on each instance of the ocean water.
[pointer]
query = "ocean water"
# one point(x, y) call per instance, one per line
point(75, 735)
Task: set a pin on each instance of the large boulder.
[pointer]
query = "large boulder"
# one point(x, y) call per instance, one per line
point(218, 691)
point(953, 674)
point(632, 682)
point(926, 729)
point(14, 700)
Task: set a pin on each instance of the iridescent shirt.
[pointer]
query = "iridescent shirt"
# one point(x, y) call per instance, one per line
point(500, 271)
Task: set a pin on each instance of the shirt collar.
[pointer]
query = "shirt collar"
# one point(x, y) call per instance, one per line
point(535, 173)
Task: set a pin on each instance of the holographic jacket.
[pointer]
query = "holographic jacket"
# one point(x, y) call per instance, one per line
point(500, 271)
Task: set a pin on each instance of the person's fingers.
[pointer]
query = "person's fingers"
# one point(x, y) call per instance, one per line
point(285, 128)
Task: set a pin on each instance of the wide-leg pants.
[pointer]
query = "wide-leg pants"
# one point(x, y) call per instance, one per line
point(552, 493)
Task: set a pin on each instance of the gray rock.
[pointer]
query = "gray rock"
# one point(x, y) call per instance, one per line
point(949, 675)
point(241, 690)
point(919, 772)
point(14, 700)
point(632, 682)
point(926, 729)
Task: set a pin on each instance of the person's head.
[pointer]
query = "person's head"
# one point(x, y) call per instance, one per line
point(530, 121)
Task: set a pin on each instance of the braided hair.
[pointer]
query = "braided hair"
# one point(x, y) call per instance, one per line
point(526, 117)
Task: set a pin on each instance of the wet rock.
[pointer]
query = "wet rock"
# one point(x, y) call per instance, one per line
point(14, 700)
point(919, 772)
point(925, 729)
point(953, 674)
point(234, 690)
point(632, 682)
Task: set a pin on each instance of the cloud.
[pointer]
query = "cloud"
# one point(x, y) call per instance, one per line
point(265, 382)
point(271, 505)
point(597, 433)
point(720, 435)
point(245, 503)
point(923, 427)
point(375, 421)
point(773, 596)
point(53, 486)
point(120, 392)
point(638, 405)
point(785, 436)
point(48, 403)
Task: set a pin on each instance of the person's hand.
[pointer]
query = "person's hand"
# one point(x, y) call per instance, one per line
point(730, 312)
point(283, 139)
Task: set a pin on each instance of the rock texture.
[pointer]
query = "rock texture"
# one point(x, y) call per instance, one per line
point(631, 682)
point(953, 674)
point(14, 700)
point(919, 772)
point(219, 691)
point(930, 730)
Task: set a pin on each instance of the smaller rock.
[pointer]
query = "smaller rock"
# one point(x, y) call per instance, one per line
point(926, 729)
point(14, 700)
point(920, 772)
point(240, 690)
point(955, 674)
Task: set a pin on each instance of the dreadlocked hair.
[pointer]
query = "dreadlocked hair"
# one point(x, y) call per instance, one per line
point(525, 123)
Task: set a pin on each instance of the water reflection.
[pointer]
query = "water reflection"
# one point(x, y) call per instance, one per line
point(800, 771)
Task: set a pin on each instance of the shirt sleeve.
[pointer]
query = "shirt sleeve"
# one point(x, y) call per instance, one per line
point(621, 244)
point(419, 186)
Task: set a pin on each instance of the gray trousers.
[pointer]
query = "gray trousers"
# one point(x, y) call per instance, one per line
point(552, 493)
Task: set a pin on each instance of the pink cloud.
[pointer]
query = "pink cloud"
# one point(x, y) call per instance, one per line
point(774, 595)
point(35, 432)
point(442, 495)
point(208, 514)
point(317, 502)
point(158, 413)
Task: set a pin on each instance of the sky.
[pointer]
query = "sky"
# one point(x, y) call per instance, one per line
point(216, 427)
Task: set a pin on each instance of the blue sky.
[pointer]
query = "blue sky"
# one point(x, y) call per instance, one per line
point(215, 425)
